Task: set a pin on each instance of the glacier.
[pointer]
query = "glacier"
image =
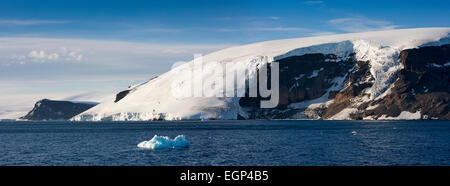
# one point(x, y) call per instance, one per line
point(152, 100)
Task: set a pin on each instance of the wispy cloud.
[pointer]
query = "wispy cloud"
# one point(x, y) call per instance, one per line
point(313, 2)
point(153, 30)
point(246, 18)
point(30, 22)
point(361, 24)
point(262, 29)
point(165, 30)
point(279, 29)
point(321, 33)
point(256, 24)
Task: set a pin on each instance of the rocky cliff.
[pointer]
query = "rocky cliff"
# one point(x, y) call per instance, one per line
point(421, 89)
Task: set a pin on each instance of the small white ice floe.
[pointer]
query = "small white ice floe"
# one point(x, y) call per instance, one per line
point(163, 142)
point(354, 132)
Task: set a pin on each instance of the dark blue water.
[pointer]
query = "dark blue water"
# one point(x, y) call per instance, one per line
point(228, 143)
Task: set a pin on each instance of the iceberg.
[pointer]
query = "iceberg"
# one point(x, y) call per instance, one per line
point(164, 142)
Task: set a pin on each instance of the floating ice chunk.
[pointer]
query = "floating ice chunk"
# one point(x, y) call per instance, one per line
point(164, 142)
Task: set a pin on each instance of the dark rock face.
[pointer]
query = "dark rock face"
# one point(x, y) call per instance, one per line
point(342, 99)
point(56, 110)
point(121, 95)
point(302, 78)
point(309, 76)
point(423, 84)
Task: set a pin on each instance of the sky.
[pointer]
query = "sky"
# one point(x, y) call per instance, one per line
point(89, 50)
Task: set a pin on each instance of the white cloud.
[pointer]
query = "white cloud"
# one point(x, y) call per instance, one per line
point(361, 24)
point(63, 55)
point(29, 22)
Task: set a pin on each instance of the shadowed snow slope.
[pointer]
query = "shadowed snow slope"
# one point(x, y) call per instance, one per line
point(153, 100)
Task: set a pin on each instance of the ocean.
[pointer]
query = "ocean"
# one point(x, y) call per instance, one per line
point(227, 143)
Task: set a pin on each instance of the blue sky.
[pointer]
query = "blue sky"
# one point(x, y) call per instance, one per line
point(211, 21)
point(78, 49)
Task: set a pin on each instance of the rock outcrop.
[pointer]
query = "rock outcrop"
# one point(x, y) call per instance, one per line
point(56, 110)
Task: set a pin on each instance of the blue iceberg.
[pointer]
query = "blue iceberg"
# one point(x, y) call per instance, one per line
point(164, 142)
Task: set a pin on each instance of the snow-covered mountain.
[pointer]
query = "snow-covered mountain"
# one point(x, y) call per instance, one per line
point(396, 74)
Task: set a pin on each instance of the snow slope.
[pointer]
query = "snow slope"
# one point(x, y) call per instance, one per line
point(404, 115)
point(154, 99)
